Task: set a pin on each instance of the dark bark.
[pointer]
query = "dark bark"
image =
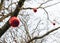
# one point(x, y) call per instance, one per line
point(1, 4)
point(15, 13)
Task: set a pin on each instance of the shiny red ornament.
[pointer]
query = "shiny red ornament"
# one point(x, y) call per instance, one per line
point(14, 21)
point(35, 10)
point(53, 23)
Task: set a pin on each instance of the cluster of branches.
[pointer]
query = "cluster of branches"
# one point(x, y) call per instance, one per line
point(19, 7)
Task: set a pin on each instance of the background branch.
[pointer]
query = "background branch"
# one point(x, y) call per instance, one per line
point(1, 4)
point(43, 35)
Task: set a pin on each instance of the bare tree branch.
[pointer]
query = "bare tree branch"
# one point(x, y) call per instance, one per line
point(15, 13)
point(36, 27)
point(46, 2)
point(1, 4)
point(4, 16)
point(43, 35)
point(51, 5)
point(26, 28)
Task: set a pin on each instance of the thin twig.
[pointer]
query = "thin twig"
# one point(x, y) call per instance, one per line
point(51, 5)
point(26, 28)
point(39, 37)
point(45, 2)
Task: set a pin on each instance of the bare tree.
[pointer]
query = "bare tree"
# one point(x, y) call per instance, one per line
point(29, 30)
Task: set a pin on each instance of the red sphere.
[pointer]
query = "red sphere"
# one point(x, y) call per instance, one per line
point(14, 21)
point(53, 23)
point(35, 10)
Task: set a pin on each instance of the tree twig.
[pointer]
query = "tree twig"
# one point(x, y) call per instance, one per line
point(1, 4)
point(43, 35)
point(51, 5)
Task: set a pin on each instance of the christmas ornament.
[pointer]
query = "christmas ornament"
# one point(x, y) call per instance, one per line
point(35, 10)
point(53, 23)
point(14, 21)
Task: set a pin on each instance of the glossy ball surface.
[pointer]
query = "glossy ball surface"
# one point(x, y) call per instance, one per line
point(35, 10)
point(53, 23)
point(14, 21)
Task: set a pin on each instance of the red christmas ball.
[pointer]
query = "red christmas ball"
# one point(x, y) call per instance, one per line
point(53, 23)
point(14, 21)
point(35, 10)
